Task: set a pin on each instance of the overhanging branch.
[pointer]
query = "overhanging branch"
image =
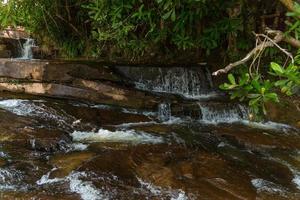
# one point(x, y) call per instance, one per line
point(278, 36)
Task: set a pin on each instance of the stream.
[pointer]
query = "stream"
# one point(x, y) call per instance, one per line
point(67, 149)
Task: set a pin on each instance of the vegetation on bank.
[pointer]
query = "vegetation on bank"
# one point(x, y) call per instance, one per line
point(131, 27)
point(136, 28)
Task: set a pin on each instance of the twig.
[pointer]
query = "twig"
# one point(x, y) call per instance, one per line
point(229, 67)
point(275, 44)
point(278, 37)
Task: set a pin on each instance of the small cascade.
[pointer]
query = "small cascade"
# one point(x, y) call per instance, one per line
point(164, 112)
point(39, 110)
point(193, 82)
point(27, 49)
point(223, 113)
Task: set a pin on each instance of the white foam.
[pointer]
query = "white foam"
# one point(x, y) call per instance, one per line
point(79, 147)
point(269, 125)
point(11, 179)
point(132, 124)
point(36, 108)
point(266, 186)
point(11, 104)
point(160, 192)
point(3, 155)
point(296, 180)
point(85, 189)
point(102, 107)
point(103, 135)
point(132, 111)
point(204, 96)
point(174, 120)
point(46, 180)
point(180, 196)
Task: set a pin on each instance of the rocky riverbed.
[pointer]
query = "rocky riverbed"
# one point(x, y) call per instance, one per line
point(74, 132)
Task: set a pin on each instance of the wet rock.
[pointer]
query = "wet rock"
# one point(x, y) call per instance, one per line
point(154, 128)
point(3, 162)
point(287, 111)
point(29, 195)
point(110, 95)
point(48, 141)
point(5, 54)
point(104, 117)
point(205, 175)
point(112, 162)
point(66, 163)
point(186, 109)
point(47, 71)
point(114, 93)
point(255, 139)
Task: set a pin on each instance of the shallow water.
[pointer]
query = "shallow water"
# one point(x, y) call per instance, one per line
point(62, 149)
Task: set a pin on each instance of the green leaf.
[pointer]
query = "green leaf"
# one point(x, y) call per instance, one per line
point(167, 15)
point(263, 90)
point(256, 85)
point(254, 101)
point(173, 16)
point(244, 79)
point(252, 96)
point(277, 68)
point(231, 79)
point(281, 83)
point(272, 96)
point(284, 89)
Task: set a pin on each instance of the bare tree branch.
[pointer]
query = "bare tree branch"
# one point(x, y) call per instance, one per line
point(279, 47)
point(278, 36)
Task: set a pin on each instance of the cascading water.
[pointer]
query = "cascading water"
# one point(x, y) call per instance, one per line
point(193, 82)
point(223, 113)
point(164, 111)
point(27, 49)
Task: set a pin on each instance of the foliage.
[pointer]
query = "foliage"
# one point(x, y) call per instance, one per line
point(259, 87)
point(255, 90)
point(133, 26)
point(289, 77)
point(173, 24)
point(293, 26)
point(63, 22)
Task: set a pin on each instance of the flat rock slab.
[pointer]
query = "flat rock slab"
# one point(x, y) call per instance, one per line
point(66, 79)
point(58, 71)
point(95, 92)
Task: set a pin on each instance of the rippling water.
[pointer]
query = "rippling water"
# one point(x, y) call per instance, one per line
point(60, 149)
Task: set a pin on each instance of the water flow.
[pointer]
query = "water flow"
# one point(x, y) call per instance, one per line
point(189, 82)
point(164, 111)
point(27, 49)
point(223, 113)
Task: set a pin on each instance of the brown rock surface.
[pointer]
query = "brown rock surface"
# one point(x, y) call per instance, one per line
point(58, 71)
point(71, 80)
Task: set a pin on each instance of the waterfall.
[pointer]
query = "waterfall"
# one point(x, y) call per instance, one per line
point(187, 82)
point(164, 111)
point(192, 82)
point(27, 49)
point(223, 113)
